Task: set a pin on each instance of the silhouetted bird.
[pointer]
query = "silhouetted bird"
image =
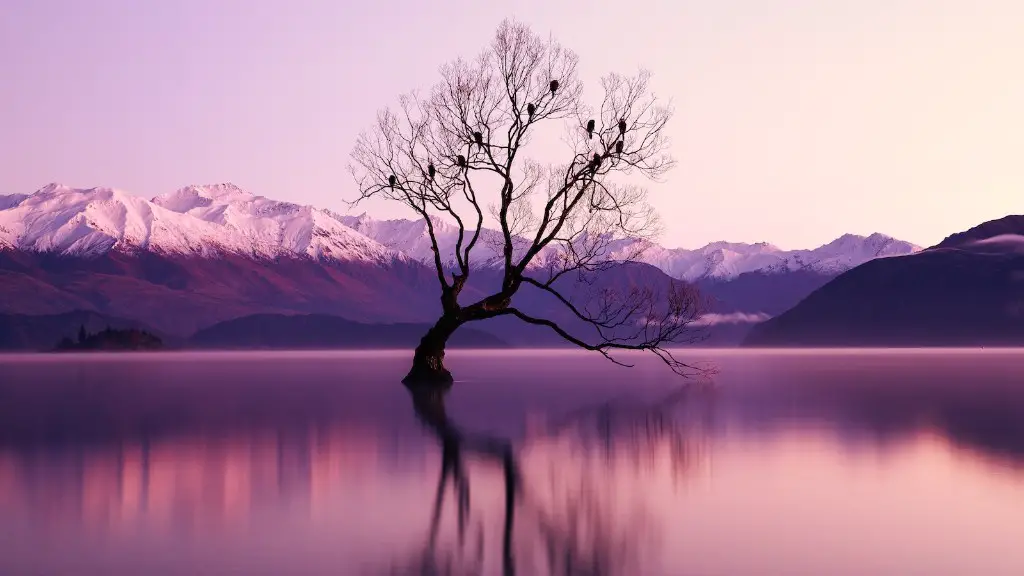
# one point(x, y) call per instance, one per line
point(590, 128)
point(479, 137)
point(461, 161)
point(553, 86)
point(622, 126)
point(618, 147)
point(392, 180)
point(596, 162)
point(530, 109)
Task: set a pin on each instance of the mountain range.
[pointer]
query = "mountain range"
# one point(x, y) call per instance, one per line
point(183, 261)
point(197, 220)
point(717, 260)
point(968, 290)
point(222, 218)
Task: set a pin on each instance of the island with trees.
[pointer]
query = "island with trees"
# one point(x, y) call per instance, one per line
point(110, 339)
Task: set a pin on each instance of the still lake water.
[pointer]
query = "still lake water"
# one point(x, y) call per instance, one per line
point(824, 463)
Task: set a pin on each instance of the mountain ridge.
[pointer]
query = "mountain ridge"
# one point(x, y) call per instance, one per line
point(208, 220)
point(719, 259)
point(1006, 228)
point(200, 255)
point(196, 220)
point(967, 290)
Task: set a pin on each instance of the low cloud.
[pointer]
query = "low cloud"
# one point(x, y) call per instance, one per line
point(1002, 239)
point(1008, 242)
point(733, 318)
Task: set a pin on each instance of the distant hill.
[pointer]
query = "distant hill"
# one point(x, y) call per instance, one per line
point(21, 332)
point(109, 339)
point(182, 294)
point(740, 303)
point(966, 291)
point(321, 331)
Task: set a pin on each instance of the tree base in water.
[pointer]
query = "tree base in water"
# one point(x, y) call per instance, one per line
point(428, 371)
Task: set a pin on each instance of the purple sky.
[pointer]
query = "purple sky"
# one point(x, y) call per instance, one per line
point(797, 120)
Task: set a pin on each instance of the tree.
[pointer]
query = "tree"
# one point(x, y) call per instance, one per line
point(446, 153)
point(81, 333)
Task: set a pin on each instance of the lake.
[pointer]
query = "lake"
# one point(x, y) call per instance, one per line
point(786, 463)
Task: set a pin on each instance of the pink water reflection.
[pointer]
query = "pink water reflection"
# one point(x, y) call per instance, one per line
point(770, 477)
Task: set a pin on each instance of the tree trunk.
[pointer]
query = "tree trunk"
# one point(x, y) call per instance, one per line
point(428, 360)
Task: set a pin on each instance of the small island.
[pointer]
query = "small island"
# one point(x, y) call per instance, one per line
point(109, 340)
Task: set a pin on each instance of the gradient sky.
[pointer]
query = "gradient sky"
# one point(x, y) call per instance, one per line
point(796, 120)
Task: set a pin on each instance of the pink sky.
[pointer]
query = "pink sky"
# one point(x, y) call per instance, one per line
point(797, 120)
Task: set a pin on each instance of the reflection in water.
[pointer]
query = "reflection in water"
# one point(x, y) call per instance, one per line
point(561, 498)
point(245, 464)
point(189, 484)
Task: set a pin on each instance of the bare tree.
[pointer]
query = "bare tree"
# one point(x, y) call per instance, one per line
point(459, 153)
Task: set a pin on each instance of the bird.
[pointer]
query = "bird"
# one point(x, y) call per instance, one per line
point(392, 180)
point(530, 109)
point(431, 170)
point(590, 128)
point(622, 126)
point(553, 86)
point(596, 162)
point(478, 137)
point(461, 161)
point(618, 147)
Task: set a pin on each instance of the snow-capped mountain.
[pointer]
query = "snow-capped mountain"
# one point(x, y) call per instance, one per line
point(412, 238)
point(203, 254)
point(210, 220)
point(11, 200)
point(724, 260)
point(197, 220)
point(720, 260)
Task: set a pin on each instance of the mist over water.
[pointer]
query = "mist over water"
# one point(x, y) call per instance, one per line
point(534, 463)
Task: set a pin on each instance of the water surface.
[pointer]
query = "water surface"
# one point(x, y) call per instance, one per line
point(839, 463)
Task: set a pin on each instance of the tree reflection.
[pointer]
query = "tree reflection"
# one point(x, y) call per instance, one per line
point(558, 512)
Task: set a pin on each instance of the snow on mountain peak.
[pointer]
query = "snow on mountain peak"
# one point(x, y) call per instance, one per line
point(196, 220)
point(190, 197)
point(213, 219)
point(51, 188)
point(222, 190)
point(11, 200)
point(716, 260)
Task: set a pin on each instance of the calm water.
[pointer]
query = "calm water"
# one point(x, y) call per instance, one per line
point(839, 463)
